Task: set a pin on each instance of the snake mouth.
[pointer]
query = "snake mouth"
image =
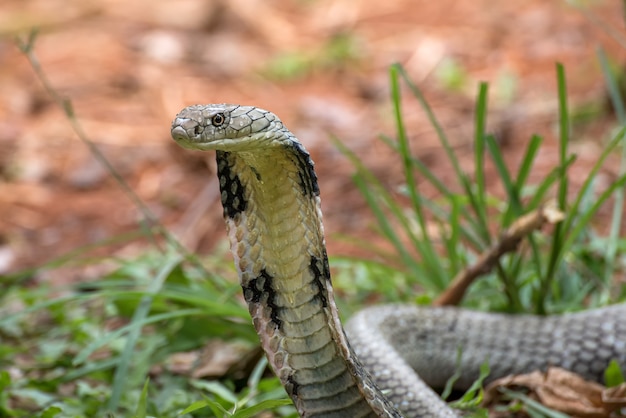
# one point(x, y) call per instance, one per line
point(180, 134)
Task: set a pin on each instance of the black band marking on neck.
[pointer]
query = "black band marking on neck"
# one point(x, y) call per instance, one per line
point(232, 191)
point(319, 268)
point(291, 386)
point(306, 172)
point(260, 287)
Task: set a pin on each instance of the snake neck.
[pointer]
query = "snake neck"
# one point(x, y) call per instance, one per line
point(274, 223)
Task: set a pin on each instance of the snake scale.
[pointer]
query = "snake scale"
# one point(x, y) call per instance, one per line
point(383, 363)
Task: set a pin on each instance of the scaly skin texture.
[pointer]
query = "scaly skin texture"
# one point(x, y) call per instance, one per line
point(272, 210)
point(271, 205)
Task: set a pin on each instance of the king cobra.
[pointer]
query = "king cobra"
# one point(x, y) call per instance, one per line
point(384, 363)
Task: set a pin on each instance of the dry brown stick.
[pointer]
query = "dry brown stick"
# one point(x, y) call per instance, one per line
point(508, 242)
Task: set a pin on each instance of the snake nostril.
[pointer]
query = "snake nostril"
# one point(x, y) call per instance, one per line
point(197, 130)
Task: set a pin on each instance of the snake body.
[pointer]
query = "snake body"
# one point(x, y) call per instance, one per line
point(271, 204)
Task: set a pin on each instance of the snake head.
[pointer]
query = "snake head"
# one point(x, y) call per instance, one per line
point(223, 127)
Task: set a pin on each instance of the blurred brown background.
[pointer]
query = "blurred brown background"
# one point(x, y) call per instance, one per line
point(322, 65)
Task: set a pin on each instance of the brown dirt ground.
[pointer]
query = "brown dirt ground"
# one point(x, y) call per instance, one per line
point(129, 66)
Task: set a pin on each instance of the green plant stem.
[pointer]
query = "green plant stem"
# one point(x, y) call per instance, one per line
point(149, 224)
point(426, 247)
point(618, 206)
point(480, 121)
point(558, 235)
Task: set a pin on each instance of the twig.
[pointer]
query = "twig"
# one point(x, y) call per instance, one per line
point(508, 242)
point(64, 103)
point(149, 222)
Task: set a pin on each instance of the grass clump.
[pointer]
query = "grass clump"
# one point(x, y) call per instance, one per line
point(92, 350)
point(562, 269)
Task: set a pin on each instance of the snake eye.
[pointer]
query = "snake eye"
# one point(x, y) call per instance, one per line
point(218, 119)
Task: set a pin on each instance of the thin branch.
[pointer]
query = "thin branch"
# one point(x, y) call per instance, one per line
point(508, 242)
point(150, 223)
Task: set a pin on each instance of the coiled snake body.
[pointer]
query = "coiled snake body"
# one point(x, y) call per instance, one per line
point(271, 203)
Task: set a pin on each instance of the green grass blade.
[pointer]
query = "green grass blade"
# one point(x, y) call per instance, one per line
point(89, 368)
point(451, 233)
point(84, 354)
point(510, 187)
point(267, 405)
point(538, 409)
point(142, 406)
point(462, 178)
point(616, 220)
point(527, 161)
point(196, 406)
point(217, 388)
point(474, 395)
point(432, 119)
point(585, 189)
point(479, 223)
point(480, 121)
point(539, 195)
point(452, 198)
point(121, 372)
point(457, 222)
point(612, 87)
point(373, 192)
point(520, 183)
point(586, 217)
point(257, 373)
point(387, 230)
point(421, 167)
point(426, 247)
point(514, 211)
point(558, 235)
point(613, 375)
point(618, 206)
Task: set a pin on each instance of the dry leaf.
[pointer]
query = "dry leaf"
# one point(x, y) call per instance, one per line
point(213, 361)
point(562, 391)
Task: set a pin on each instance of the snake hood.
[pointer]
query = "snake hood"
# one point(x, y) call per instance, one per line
point(272, 210)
